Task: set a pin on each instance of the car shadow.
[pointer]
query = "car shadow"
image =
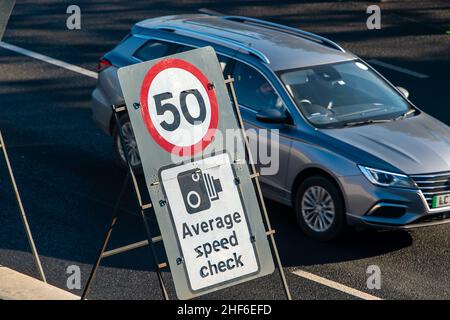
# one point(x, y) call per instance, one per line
point(64, 166)
point(296, 249)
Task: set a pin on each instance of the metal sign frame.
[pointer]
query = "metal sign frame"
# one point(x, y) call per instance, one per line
point(151, 240)
point(6, 7)
point(204, 77)
point(22, 211)
point(253, 175)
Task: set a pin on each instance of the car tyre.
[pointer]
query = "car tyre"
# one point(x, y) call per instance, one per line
point(320, 209)
point(133, 152)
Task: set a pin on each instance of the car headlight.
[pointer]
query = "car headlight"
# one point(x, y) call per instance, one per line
point(387, 179)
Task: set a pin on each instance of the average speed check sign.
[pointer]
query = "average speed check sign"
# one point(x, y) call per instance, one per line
point(210, 221)
point(204, 199)
point(180, 115)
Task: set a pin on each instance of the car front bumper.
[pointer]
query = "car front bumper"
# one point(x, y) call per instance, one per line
point(371, 206)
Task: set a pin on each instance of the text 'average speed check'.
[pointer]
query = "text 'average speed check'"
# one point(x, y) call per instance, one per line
point(210, 221)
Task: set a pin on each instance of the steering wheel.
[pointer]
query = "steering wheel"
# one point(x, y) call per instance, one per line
point(305, 102)
point(314, 108)
point(330, 105)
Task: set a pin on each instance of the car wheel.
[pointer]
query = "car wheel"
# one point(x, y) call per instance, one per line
point(319, 208)
point(130, 141)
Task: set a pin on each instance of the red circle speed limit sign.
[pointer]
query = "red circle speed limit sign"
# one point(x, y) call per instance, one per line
point(179, 107)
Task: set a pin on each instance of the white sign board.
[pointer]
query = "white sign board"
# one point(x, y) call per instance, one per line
point(211, 223)
point(202, 193)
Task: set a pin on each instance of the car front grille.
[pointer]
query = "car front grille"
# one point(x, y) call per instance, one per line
point(432, 184)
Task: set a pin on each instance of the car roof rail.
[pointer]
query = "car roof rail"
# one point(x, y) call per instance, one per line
point(276, 26)
point(210, 12)
point(235, 43)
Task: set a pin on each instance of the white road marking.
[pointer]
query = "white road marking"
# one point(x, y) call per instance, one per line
point(335, 285)
point(91, 74)
point(49, 60)
point(398, 69)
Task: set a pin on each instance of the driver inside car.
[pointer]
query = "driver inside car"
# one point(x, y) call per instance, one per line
point(268, 96)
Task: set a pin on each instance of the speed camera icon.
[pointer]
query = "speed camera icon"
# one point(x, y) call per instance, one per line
point(198, 189)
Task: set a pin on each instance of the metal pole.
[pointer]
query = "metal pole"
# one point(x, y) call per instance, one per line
point(22, 212)
point(108, 233)
point(6, 7)
point(144, 218)
point(258, 188)
point(129, 247)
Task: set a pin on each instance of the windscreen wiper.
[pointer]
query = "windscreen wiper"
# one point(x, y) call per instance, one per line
point(406, 114)
point(369, 121)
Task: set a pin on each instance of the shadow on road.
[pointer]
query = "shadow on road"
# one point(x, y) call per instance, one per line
point(65, 165)
point(296, 249)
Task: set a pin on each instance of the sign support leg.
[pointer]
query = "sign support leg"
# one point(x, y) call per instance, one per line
point(22, 212)
point(229, 81)
point(102, 254)
point(115, 216)
point(157, 265)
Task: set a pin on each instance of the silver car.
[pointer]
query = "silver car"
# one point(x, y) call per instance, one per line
point(354, 151)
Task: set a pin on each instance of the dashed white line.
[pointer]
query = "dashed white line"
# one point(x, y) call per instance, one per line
point(49, 60)
point(91, 74)
point(398, 69)
point(335, 285)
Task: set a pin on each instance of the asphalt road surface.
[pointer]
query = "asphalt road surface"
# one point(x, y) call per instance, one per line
point(69, 182)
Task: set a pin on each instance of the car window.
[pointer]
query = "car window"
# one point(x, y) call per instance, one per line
point(222, 59)
point(339, 93)
point(253, 90)
point(223, 62)
point(183, 48)
point(153, 49)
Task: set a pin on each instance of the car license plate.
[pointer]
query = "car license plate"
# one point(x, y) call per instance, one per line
point(442, 200)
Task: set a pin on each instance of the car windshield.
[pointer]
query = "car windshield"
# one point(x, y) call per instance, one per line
point(339, 94)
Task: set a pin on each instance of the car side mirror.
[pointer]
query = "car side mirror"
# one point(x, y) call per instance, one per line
point(403, 91)
point(272, 115)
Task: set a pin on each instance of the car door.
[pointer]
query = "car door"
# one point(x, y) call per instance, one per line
point(270, 142)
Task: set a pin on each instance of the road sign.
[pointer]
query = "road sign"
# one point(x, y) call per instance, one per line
point(201, 190)
point(210, 221)
point(188, 131)
point(6, 7)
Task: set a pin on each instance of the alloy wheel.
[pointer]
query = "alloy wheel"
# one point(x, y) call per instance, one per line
point(130, 141)
point(318, 208)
